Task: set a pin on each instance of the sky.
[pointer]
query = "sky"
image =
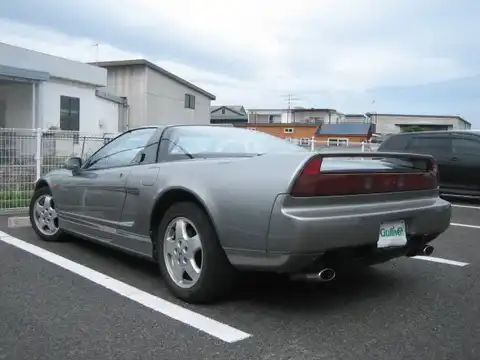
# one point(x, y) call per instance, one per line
point(355, 56)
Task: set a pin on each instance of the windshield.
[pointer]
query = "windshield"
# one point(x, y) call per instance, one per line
point(208, 139)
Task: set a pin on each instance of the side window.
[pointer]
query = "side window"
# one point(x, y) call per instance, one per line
point(431, 145)
point(123, 151)
point(465, 146)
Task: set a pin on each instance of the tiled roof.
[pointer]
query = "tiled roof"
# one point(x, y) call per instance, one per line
point(236, 108)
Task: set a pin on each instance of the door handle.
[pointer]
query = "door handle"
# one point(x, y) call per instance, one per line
point(454, 158)
point(121, 174)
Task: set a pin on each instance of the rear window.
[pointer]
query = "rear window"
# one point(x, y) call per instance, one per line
point(224, 140)
point(394, 143)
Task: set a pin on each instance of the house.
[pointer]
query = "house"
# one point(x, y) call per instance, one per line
point(316, 116)
point(357, 119)
point(395, 123)
point(302, 133)
point(296, 115)
point(156, 96)
point(43, 91)
point(228, 114)
point(343, 134)
point(267, 116)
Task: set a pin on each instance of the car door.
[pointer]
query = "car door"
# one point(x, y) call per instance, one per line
point(100, 184)
point(133, 230)
point(440, 147)
point(465, 161)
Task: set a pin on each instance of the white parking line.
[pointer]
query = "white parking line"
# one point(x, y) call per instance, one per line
point(466, 206)
point(440, 260)
point(214, 328)
point(466, 225)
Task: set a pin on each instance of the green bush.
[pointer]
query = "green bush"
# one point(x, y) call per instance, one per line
point(14, 199)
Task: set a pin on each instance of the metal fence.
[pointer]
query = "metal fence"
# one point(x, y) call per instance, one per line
point(26, 154)
point(315, 145)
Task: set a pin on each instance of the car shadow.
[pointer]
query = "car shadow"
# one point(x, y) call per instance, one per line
point(257, 291)
point(280, 292)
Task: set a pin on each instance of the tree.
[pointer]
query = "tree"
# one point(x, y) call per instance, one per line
point(412, 128)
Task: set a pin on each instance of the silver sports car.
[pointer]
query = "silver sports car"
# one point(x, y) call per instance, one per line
point(206, 201)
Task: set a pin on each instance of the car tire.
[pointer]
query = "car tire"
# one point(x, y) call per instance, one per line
point(216, 277)
point(49, 214)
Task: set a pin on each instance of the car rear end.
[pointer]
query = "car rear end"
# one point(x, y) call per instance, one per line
point(361, 207)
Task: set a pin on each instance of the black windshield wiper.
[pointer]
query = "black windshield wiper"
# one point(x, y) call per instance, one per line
point(186, 153)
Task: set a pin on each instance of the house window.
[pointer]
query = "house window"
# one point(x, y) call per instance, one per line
point(252, 128)
point(223, 111)
point(304, 141)
point(70, 115)
point(337, 142)
point(189, 101)
point(288, 130)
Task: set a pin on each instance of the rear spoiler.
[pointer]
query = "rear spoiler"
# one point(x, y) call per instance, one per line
point(408, 172)
point(419, 161)
point(376, 154)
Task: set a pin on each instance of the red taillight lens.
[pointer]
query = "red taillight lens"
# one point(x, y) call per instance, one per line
point(312, 182)
point(432, 166)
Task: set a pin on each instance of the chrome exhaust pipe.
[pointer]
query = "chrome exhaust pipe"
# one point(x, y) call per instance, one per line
point(324, 275)
point(428, 250)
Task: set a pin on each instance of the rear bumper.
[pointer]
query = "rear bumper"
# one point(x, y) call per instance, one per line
point(302, 233)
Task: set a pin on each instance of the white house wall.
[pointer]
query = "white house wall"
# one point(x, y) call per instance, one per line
point(97, 115)
point(57, 67)
point(166, 102)
point(130, 81)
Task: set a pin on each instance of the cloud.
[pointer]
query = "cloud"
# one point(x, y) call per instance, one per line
point(328, 53)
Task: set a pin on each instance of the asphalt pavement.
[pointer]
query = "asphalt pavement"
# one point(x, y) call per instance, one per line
point(77, 300)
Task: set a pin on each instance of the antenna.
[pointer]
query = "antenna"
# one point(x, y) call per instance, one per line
point(290, 98)
point(97, 51)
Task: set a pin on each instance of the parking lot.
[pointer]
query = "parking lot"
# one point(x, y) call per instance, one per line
point(77, 300)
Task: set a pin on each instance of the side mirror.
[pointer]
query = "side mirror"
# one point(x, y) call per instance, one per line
point(73, 163)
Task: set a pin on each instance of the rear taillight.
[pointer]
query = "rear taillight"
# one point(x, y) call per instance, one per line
point(312, 182)
point(432, 167)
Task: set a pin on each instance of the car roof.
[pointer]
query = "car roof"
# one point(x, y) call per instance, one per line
point(434, 132)
point(162, 126)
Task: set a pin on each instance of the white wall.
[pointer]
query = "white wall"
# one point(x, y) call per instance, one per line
point(388, 123)
point(57, 67)
point(94, 111)
point(130, 81)
point(18, 105)
point(166, 99)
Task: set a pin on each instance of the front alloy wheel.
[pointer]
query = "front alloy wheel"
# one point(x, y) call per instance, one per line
point(45, 215)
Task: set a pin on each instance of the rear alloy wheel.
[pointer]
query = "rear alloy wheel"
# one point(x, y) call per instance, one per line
point(44, 217)
point(182, 251)
point(191, 260)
